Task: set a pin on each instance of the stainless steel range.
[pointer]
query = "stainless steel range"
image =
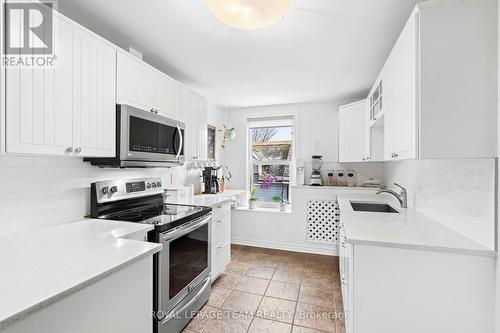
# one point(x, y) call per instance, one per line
point(182, 269)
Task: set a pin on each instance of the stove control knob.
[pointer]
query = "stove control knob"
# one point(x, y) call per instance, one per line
point(105, 190)
point(154, 184)
point(148, 185)
point(158, 184)
point(113, 189)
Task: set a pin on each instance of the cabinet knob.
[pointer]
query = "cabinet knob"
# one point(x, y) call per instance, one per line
point(152, 110)
point(78, 150)
point(156, 111)
point(69, 149)
point(364, 159)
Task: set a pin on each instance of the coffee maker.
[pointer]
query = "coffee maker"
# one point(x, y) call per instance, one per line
point(211, 180)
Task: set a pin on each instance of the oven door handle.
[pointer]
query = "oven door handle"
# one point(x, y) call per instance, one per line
point(194, 299)
point(185, 230)
point(181, 143)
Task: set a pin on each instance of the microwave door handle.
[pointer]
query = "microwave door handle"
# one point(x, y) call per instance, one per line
point(181, 143)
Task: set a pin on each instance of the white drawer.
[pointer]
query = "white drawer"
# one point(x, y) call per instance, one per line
point(221, 255)
point(221, 228)
point(221, 211)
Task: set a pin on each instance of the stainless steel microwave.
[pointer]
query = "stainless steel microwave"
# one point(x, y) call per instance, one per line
point(144, 140)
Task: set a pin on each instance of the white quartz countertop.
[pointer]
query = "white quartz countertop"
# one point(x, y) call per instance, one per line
point(208, 200)
point(41, 266)
point(408, 229)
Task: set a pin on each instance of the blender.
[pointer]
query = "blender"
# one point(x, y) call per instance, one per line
point(317, 163)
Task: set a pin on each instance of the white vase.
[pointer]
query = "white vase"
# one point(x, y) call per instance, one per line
point(252, 204)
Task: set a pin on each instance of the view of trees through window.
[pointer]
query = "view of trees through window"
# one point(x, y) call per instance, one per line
point(272, 150)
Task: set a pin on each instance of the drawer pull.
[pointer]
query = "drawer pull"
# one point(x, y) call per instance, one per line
point(219, 221)
point(218, 249)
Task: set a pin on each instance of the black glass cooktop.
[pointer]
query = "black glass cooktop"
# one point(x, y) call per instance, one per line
point(162, 216)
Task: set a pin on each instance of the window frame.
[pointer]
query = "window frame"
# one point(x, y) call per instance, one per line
point(289, 120)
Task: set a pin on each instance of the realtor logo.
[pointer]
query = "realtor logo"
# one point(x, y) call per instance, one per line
point(29, 28)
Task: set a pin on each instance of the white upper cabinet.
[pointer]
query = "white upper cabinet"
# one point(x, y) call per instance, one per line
point(353, 132)
point(194, 111)
point(167, 96)
point(135, 82)
point(38, 107)
point(94, 99)
point(68, 108)
point(439, 95)
point(202, 111)
point(146, 88)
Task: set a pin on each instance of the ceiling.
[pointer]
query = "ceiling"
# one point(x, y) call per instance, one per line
point(323, 50)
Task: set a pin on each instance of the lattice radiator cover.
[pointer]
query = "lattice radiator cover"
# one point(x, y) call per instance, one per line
point(323, 221)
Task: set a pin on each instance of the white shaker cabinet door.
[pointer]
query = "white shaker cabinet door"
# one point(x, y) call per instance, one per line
point(94, 100)
point(202, 128)
point(167, 94)
point(39, 100)
point(135, 82)
point(405, 145)
point(353, 130)
point(189, 108)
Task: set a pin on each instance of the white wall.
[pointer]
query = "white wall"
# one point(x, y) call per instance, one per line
point(316, 133)
point(497, 272)
point(458, 193)
point(39, 191)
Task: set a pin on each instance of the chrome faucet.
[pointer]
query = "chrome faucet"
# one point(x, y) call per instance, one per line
point(402, 197)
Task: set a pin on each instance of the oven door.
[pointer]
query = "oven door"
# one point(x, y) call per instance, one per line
point(146, 136)
point(184, 262)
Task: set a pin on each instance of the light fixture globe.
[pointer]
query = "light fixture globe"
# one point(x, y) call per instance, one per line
point(249, 14)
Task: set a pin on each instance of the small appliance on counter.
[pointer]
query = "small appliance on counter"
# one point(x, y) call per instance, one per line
point(317, 163)
point(211, 180)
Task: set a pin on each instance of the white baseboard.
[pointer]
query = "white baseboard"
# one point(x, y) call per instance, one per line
point(333, 251)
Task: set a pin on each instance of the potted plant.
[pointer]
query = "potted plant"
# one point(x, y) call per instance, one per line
point(226, 177)
point(277, 199)
point(229, 136)
point(252, 201)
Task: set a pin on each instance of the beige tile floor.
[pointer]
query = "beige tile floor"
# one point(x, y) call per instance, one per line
point(270, 291)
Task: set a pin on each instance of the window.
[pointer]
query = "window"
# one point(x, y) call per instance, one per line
point(271, 146)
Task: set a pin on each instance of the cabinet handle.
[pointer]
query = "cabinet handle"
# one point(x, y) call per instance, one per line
point(218, 249)
point(69, 149)
point(78, 150)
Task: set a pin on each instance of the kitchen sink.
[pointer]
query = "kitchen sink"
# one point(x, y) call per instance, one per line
point(372, 207)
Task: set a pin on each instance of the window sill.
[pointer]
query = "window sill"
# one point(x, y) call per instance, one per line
point(288, 211)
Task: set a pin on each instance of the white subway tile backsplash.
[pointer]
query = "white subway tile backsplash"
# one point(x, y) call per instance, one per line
point(39, 191)
point(458, 193)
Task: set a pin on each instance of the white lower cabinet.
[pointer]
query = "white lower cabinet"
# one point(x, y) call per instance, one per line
point(393, 290)
point(67, 108)
point(221, 239)
point(127, 291)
